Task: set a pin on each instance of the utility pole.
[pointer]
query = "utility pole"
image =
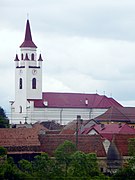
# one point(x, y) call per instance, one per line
point(78, 120)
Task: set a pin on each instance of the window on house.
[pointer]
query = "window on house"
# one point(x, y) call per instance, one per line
point(32, 56)
point(22, 56)
point(34, 83)
point(20, 83)
point(20, 109)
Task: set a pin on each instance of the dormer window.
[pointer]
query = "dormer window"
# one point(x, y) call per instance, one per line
point(32, 56)
point(34, 83)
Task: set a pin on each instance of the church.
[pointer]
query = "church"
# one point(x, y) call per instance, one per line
point(32, 105)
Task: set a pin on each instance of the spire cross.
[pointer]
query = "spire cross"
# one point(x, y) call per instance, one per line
point(27, 15)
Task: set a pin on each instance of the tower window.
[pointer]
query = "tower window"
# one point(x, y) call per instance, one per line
point(34, 83)
point(32, 56)
point(20, 83)
point(20, 109)
point(22, 56)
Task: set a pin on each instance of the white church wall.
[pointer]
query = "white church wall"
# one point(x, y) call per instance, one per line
point(62, 115)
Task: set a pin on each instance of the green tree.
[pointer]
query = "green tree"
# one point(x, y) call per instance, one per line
point(124, 174)
point(131, 152)
point(63, 154)
point(128, 172)
point(9, 171)
point(45, 167)
point(131, 146)
point(83, 165)
point(3, 151)
point(25, 166)
point(4, 122)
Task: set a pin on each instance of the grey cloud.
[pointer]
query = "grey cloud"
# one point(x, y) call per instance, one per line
point(109, 19)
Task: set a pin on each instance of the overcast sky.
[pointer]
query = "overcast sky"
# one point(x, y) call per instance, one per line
point(88, 46)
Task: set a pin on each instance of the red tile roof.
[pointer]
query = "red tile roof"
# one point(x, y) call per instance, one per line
point(19, 139)
point(119, 114)
point(70, 128)
point(38, 126)
point(121, 141)
point(67, 131)
point(75, 100)
point(107, 130)
point(28, 38)
point(86, 143)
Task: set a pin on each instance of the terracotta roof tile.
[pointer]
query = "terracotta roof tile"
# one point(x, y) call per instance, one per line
point(107, 130)
point(121, 141)
point(119, 114)
point(86, 143)
point(18, 137)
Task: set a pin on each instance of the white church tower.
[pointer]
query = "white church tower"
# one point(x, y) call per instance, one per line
point(28, 78)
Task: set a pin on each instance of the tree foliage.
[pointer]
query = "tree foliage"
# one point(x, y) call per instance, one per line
point(4, 121)
point(68, 164)
point(10, 171)
point(83, 165)
point(3, 151)
point(127, 172)
point(45, 167)
point(131, 146)
point(64, 151)
point(63, 154)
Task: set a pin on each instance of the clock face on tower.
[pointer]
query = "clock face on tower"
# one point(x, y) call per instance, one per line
point(34, 71)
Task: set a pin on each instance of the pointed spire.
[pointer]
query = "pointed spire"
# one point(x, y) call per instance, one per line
point(28, 37)
point(40, 58)
point(16, 58)
point(26, 57)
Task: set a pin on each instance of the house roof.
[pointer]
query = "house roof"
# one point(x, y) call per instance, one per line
point(86, 143)
point(28, 37)
point(122, 142)
point(51, 125)
point(70, 128)
point(74, 100)
point(107, 130)
point(119, 114)
point(19, 137)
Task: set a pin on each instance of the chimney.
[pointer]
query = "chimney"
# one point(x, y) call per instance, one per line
point(120, 125)
point(45, 103)
point(102, 126)
point(86, 102)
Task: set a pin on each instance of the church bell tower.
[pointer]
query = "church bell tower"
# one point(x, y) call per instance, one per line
point(28, 75)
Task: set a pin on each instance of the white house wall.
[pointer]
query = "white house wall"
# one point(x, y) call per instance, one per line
point(61, 115)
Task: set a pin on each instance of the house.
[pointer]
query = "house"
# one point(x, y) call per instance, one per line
point(118, 115)
point(111, 154)
point(20, 142)
point(26, 143)
point(32, 105)
point(71, 127)
point(122, 143)
point(108, 130)
point(86, 143)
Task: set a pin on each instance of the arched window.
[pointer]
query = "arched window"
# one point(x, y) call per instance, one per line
point(20, 109)
point(34, 83)
point(20, 83)
point(32, 56)
point(22, 56)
